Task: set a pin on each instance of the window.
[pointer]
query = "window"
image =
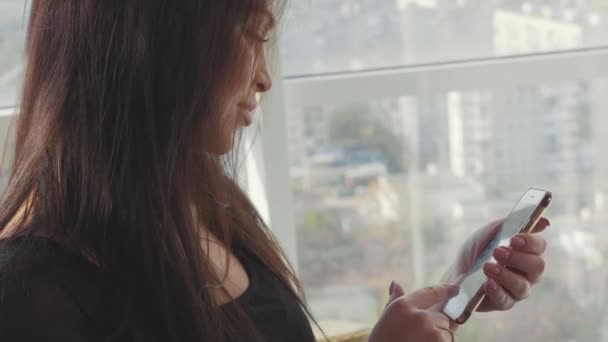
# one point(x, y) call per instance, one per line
point(386, 196)
point(411, 123)
point(12, 37)
point(342, 35)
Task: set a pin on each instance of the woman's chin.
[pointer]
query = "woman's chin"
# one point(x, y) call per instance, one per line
point(226, 147)
point(222, 151)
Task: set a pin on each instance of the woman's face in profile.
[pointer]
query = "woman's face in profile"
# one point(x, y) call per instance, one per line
point(241, 106)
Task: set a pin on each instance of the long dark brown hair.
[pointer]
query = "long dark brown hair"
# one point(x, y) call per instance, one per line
point(120, 109)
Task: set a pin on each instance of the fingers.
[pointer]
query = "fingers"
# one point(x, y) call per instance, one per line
point(531, 266)
point(439, 320)
point(496, 298)
point(409, 314)
point(429, 296)
point(529, 243)
point(521, 265)
point(395, 291)
point(447, 335)
point(432, 322)
point(428, 325)
point(516, 285)
point(541, 225)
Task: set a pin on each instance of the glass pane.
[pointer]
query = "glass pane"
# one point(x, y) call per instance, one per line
point(12, 37)
point(340, 35)
point(389, 189)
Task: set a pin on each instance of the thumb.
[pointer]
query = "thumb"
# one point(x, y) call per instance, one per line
point(425, 298)
point(395, 291)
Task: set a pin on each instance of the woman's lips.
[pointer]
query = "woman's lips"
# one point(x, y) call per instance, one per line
point(247, 117)
point(246, 111)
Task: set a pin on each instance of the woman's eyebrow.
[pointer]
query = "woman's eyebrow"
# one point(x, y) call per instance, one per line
point(267, 21)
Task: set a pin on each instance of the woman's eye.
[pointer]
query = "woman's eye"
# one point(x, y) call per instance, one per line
point(261, 27)
point(257, 36)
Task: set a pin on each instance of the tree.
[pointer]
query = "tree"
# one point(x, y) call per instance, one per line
point(358, 127)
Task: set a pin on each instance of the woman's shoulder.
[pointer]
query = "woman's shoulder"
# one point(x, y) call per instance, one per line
point(42, 259)
point(47, 293)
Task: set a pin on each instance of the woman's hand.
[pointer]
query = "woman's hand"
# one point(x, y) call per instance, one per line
point(519, 267)
point(407, 318)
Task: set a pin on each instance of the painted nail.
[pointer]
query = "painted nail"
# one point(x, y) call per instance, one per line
point(518, 242)
point(502, 254)
point(453, 290)
point(492, 285)
point(493, 269)
point(391, 287)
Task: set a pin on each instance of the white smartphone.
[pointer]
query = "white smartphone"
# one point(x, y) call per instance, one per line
point(467, 271)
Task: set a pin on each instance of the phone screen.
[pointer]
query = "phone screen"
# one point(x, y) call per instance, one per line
point(468, 269)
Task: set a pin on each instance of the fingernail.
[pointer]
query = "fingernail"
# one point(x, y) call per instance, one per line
point(492, 285)
point(390, 288)
point(548, 222)
point(493, 269)
point(502, 254)
point(518, 242)
point(453, 290)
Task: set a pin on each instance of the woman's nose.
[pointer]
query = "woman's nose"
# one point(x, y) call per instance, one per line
point(263, 82)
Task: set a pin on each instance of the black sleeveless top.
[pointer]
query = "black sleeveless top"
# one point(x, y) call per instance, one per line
point(57, 296)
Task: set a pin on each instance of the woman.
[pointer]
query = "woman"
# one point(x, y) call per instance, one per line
point(120, 221)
